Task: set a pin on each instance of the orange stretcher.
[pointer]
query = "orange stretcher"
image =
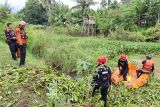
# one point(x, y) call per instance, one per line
point(132, 81)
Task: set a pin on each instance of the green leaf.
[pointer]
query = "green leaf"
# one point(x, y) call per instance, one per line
point(1, 97)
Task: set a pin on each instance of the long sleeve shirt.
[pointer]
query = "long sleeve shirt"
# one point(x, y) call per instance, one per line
point(122, 64)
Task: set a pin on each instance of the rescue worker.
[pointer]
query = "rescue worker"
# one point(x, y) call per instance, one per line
point(123, 66)
point(148, 66)
point(21, 40)
point(11, 40)
point(102, 79)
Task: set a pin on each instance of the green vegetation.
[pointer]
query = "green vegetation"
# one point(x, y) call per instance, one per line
point(66, 51)
point(47, 87)
point(59, 66)
point(34, 13)
point(37, 86)
point(4, 11)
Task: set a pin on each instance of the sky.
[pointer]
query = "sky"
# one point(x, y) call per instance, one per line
point(15, 4)
point(19, 4)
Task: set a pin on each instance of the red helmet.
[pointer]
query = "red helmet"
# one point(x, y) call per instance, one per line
point(123, 57)
point(102, 59)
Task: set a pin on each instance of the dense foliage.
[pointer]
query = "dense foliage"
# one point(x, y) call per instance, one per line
point(59, 67)
point(75, 50)
point(127, 15)
point(134, 16)
point(34, 13)
point(4, 11)
point(47, 87)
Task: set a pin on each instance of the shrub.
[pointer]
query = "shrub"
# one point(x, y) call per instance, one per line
point(66, 51)
point(121, 34)
point(153, 31)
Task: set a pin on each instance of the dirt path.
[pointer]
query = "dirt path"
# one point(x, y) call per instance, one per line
point(156, 60)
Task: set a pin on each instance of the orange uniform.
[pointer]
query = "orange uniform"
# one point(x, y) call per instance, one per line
point(21, 36)
point(148, 65)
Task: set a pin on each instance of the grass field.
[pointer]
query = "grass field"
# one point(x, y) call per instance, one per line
point(39, 85)
point(75, 53)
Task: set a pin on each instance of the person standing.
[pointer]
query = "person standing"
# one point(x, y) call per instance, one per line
point(102, 79)
point(21, 40)
point(11, 40)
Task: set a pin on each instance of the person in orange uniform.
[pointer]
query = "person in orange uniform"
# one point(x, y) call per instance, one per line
point(148, 66)
point(21, 41)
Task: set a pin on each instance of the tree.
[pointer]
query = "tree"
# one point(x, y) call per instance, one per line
point(54, 10)
point(84, 5)
point(125, 1)
point(47, 5)
point(114, 5)
point(109, 4)
point(4, 10)
point(34, 13)
point(104, 3)
point(147, 12)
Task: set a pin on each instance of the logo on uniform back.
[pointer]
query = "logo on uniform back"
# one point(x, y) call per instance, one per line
point(104, 74)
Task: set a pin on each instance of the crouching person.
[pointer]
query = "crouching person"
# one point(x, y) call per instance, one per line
point(102, 79)
point(123, 66)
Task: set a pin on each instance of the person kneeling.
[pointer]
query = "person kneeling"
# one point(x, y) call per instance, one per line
point(123, 66)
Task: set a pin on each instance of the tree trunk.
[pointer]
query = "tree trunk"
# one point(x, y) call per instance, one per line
point(109, 2)
point(139, 20)
point(158, 16)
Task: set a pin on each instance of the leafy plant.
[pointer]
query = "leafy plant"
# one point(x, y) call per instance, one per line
point(82, 66)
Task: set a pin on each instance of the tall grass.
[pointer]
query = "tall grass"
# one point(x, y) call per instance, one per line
point(66, 51)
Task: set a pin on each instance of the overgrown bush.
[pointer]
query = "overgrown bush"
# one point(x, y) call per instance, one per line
point(153, 31)
point(121, 34)
point(59, 30)
point(4, 11)
point(66, 51)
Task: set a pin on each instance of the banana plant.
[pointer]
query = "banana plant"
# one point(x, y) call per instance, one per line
point(47, 5)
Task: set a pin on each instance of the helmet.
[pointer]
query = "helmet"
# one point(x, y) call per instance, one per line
point(148, 56)
point(23, 23)
point(123, 57)
point(102, 59)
